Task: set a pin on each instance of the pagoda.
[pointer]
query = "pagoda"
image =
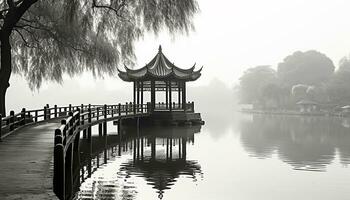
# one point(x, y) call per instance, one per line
point(161, 75)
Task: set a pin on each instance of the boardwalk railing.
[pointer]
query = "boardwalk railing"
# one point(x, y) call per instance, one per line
point(17, 120)
point(66, 145)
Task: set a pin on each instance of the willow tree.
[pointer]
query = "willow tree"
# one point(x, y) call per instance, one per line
point(45, 39)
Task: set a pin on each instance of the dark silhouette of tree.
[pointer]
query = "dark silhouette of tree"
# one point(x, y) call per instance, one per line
point(44, 39)
point(253, 82)
point(310, 68)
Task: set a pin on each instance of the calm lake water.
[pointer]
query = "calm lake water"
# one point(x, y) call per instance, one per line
point(233, 156)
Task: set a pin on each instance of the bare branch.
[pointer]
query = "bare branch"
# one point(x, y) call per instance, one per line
point(109, 7)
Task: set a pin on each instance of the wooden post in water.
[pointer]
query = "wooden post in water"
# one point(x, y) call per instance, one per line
point(171, 149)
point(100, 129)
point(120, 136)
point(68, 172)
point(23, 116)
point(82, 123)
point(76, 162)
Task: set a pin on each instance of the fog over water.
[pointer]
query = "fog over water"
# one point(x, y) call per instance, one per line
point(303, 152)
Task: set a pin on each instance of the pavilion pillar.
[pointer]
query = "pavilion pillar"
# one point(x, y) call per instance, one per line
point(134, 93)
point(184, 96)
point(179, 94)
point(166, 95)
point(141, 92)
point(170, 98)
point(138, 96)
point(153, 95)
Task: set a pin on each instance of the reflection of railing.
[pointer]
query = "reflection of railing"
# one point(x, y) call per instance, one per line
point(189, 107)
point(66, 146)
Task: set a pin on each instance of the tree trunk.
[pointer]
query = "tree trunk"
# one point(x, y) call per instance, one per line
point(5, 69)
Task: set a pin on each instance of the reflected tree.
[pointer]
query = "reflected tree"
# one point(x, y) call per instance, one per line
point(44, 39)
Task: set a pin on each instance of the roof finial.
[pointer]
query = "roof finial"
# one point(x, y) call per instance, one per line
point(160, 48)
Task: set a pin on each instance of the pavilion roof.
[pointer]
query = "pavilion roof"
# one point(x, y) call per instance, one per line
point(160, 68)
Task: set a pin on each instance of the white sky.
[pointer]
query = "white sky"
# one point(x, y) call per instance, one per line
point(233, 35)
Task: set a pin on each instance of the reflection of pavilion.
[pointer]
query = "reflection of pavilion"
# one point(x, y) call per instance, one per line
point(160, 157)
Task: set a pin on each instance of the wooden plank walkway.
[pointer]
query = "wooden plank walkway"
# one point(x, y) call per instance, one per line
point(26, 163)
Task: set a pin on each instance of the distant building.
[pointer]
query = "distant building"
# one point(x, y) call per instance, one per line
point(306, 106)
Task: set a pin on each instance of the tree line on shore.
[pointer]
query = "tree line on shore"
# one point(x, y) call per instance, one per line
point(308, 76)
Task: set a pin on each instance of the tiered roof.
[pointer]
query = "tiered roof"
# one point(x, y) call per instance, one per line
point(160, 68)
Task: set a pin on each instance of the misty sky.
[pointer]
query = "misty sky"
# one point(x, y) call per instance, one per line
point(230, 37)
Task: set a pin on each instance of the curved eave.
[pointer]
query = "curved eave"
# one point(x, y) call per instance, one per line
point(150, 76)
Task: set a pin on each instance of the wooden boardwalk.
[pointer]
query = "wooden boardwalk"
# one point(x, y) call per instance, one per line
point(39, 152)
point(26, 163)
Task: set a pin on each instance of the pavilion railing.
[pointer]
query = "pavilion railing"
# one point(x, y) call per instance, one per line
point(189, 107)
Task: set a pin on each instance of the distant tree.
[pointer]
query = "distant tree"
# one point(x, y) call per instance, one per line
point(44, 39)
point(339, 85)
point(310, 68)
point(253, 81)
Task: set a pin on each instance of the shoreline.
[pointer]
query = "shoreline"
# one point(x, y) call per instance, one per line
point(294, 113)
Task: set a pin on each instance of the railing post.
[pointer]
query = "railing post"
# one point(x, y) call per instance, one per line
point(82, 108)
point(36, 116)
point(119, 109)
point(12, 120)
point(0, 127)
point(126, 108)
point(105, 111)
point(45, 112)
point(71, 124)
point(48, 111)
point(23, 116)
point(70, 108)
point(193, 106)
point(97, 112)
point(134, 108)
point(56, 115)
point(59, 166)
